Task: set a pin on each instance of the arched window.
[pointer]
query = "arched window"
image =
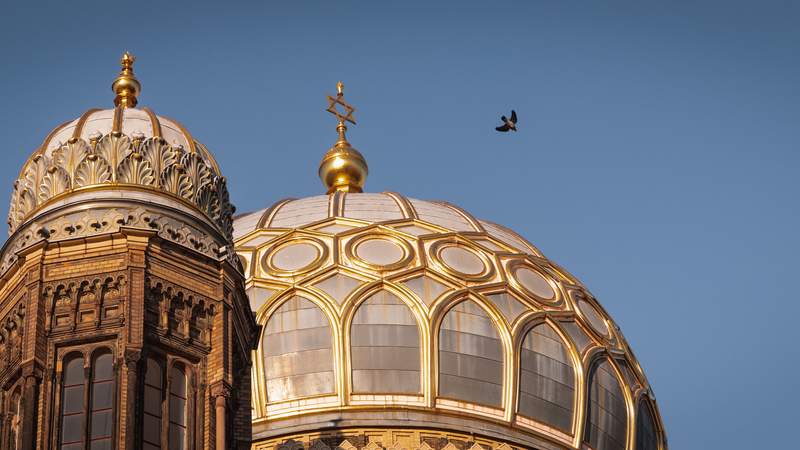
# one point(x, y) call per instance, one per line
point(73, 404)
point(14, 426)
point(167, 409)
point(153, 388)
point(94, 395)
point(298, 353)
point(547, 379)
point(607, 416)
point(102, 402)
point(646, 431)
point(470, 356)
point(384, 346)
point(178, 409)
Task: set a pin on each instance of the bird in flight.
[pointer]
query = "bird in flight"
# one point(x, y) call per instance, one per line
point(508, 124)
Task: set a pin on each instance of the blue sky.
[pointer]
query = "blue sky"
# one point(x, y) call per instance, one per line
point(657, 157)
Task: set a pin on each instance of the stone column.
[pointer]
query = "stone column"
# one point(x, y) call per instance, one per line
point(221, 394)
point(30, 397)
point(129, 417)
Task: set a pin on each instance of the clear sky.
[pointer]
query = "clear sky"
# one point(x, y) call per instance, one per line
point(657, 155)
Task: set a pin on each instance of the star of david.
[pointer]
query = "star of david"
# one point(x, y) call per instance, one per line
point(347, 115)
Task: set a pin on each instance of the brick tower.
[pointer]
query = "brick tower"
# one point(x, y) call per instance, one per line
point(124, 323)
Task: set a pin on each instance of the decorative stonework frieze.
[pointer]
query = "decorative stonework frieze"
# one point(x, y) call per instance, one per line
point(84, 302)
point(177, 312)
point(98, 221)
point(11, 332)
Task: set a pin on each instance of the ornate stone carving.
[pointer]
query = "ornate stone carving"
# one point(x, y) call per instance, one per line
point(11, 332)
point(178, 312)
point(83, 302)
point(116, 158)
point(97, 221)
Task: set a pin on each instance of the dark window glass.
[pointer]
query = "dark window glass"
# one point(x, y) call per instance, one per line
point(102, 402)
point(607, 416)
point(646, 431)
point(73, 414)
point(178, 398)
point(153, 384)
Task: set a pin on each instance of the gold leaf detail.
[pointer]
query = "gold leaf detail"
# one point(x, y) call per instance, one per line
point(70, 155)
point(55, 182)
point(94, 169)
point(175, 181)
point(159, 155)
point(134, 169)
point(114, 147)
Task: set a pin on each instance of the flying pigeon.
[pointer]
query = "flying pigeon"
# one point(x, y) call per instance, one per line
point(508, 124)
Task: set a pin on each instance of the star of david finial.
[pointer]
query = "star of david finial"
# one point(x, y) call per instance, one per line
point(334, 104)
point(343, 168)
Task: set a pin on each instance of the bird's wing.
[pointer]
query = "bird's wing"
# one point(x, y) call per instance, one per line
point(513, 116)
point(503, 128)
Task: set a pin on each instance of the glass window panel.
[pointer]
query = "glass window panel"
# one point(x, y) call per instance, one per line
point(470, 356)
point(101, 444)
point(72, 428)
point(78, 446)
point(606, 421)
point(153, 395)
point(102, 395)
point(152, 430)
point(73, 400)
point(102, 424)
point(152, 401)
point(103, 367)
point(73, 372)
point(153, 375)
point(646, 431)
point(385, 346)
point(297, 347)
point(546, 378)
point(178, 386)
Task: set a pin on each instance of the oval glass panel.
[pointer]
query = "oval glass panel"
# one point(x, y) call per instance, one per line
point(594, 317)
point(295, 256)
point(462, 260)
point(535, 283)
point(379, 252)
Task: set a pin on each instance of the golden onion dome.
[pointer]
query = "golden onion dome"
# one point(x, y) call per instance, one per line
point(121, 167)
point(379, 310)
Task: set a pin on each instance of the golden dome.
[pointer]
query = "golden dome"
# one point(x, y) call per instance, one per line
point(380, 310)
point(106, 152)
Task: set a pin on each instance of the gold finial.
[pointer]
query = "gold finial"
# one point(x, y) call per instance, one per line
point(126, 86)
point(343, 168)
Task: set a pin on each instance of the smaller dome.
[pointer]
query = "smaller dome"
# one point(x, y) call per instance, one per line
point(124, 153)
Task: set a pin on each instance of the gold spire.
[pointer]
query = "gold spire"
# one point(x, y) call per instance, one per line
point(126, 86)
point(343, 168)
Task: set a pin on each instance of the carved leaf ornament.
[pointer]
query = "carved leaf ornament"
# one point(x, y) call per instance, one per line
point(116, 158)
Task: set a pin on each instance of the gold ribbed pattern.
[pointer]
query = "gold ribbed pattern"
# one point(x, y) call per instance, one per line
point(339, 252)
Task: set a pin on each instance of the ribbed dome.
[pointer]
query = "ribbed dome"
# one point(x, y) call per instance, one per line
point(381, 310)
point(121, 147)
point(121, 167)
